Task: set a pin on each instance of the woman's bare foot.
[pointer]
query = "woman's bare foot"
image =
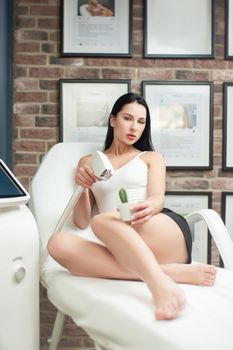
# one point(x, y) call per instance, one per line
point(168, 297)
point(197, 274)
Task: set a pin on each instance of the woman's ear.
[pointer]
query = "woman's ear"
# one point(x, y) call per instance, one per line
point(112, 121)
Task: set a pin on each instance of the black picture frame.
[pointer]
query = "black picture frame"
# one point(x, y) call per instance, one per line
point(229, 29)
point(182, 122)
point(227, 210)
point(227, 156)
point(184, 203)
point(85, 105)
point(186, 30)
point(226, 214)
point(86, 35)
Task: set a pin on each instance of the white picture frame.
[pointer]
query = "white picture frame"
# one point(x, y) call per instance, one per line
point(182, 122)
point(229, 29)
point(104, 30)
point(226, 213)
point(85, 106)
point(179, 29)
point(227, 210)
point(227, 126)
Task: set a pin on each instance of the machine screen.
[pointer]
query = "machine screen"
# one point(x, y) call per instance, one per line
point(10, 188)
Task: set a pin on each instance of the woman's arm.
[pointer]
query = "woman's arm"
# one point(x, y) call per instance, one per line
point(156, 184)
point(84, 177)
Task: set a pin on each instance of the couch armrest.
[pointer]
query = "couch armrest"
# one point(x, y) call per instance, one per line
point(218, 232)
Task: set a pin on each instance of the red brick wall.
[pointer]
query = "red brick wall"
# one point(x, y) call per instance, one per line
point(37, 70)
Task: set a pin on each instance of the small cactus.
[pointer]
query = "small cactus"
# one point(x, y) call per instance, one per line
point(123, 195)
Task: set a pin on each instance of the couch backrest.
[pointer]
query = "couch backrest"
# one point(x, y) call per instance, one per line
point(53, 184)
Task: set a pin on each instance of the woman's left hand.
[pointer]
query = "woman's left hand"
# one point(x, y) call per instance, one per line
point(142, 212)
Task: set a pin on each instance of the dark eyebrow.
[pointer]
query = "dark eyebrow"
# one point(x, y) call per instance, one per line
point(130, 115)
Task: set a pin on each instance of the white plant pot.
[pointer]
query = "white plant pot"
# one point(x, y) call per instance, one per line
point(125, 210)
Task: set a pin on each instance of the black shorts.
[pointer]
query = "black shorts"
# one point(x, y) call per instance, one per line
point(182, 223)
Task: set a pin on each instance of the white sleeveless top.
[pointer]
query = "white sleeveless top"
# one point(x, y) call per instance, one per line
point(132, 176)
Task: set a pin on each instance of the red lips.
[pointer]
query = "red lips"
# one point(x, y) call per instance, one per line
point(131, 136)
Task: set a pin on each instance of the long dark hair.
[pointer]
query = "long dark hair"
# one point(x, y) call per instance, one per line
point(144, 143)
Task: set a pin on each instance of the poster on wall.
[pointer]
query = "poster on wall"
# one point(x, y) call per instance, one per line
point(96, 28)
point(186, 30)
point(181, 122)
point(85, 106)
point(227, 217)
point(229, 30)
point(227, 126)
point(227, 210)
point(184, 203)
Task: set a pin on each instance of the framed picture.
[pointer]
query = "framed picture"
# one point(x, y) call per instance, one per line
point(229, 29)
point(181, 122)
point(184, 203)
point(227, 126)
point(227, 210)
point(85, 106)
point(186, 30)
point(96, 28)
point(227, 217)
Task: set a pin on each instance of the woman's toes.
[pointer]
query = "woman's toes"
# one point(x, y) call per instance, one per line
point(159, 314)
point(171, 311)
point(168, 311)
point(207, 284)
point(212, 270)
point(163, 314)
point(208, 281)
point(182, 303)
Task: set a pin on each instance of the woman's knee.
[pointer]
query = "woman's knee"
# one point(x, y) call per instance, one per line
point(58, 246)
point(99, 220)
point(100, 223)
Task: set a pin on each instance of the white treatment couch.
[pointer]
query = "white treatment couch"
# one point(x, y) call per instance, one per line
point(119, 315)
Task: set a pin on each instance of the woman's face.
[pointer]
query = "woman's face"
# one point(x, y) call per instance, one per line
point(129, 124)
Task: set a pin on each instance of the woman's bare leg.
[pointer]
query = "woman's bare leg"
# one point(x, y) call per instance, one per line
point(86, 258)
point(196, 274)
point(166, 240)
point(132, 252)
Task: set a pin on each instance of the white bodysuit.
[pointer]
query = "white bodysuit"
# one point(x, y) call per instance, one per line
point(132, 176)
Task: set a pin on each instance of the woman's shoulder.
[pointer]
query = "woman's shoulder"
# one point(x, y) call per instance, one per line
point(152, 155)
point(153, 158)
point(85, 160)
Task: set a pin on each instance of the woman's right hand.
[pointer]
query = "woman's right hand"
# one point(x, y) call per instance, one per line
point(85, 176)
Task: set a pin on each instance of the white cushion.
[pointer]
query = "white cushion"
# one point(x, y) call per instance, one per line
point(119, 315)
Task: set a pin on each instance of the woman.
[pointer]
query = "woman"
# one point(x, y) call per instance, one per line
point(96, 9)
point(156, 246)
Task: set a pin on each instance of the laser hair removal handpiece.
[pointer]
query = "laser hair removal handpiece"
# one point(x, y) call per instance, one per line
point(103, 170)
